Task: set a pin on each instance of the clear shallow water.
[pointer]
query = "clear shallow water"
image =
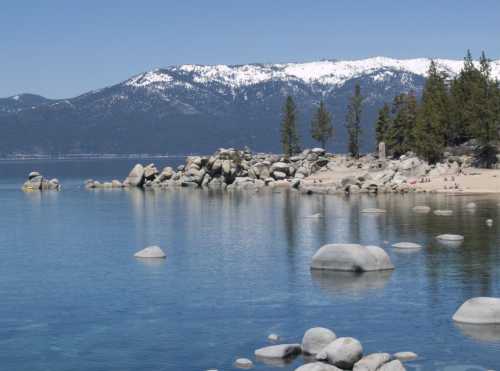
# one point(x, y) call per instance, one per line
point(237, 269)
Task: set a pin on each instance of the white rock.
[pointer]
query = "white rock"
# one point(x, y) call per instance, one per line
point(395, 365)
point(151, 252)
point(351, 257)
point(316, 339)
point(480, 310)
point(422, 209)
point(450, 237)
point(372, 362)
point(343, 352)
point(279, 351)
point(273, 337)
point(443, 212)
point(314, 216)
point(373, 211)
point(317, 366)
point(471, 205)
point(405, 356)
point(489, 222)
point(243, 363)
point(407, 245)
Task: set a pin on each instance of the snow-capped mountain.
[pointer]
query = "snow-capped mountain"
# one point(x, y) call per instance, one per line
point(197, 108)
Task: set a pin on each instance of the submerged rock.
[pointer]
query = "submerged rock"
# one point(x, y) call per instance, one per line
point(151, 252)
point(407, 245)
point(450, 237)
point(443, 212)
point(373, 211)
point(343, 352)
point(316, 339)
point(351, 257)
point(422, 209)
point(480, 310)
point(273, 338)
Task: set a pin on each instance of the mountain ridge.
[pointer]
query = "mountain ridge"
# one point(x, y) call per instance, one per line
point(198, 108)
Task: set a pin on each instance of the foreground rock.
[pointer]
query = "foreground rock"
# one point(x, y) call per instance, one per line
point(372, 362)
point(151, 252)
point(317, 366)
point(316, 339)
point(280, 351)
point(480, 310)
point(36, 182)
point(243, 363)
point(351, 257)
point(395, 365)
point(343, 352)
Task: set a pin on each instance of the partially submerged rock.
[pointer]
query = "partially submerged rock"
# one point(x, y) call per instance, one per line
point(450, 237)
point(351, 257)
point(407, 245)
point(443, 212)
point(405, 356)
point(36, 182)
point(373, 211)
point(243, 363)
point(316, 339)
point(151, 252)
point(422, 209)
point(480, 310)
point(395, 365)
point(279, 351)
point(343, 352)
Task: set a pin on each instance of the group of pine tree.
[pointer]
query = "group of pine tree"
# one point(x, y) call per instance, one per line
point(450, 112)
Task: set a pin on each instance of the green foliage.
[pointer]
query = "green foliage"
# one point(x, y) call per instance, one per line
point(449, 114)
point(289, 135)
point(321, 125)
point(384, 122)
point(353, 121)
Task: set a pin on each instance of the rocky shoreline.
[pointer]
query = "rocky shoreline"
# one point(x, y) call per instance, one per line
point(312, 171)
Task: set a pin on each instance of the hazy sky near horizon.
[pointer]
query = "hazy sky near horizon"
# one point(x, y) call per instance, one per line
point(60, 48)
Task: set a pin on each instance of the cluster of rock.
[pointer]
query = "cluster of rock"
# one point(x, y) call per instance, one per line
point(36, 182)
point(324, 351)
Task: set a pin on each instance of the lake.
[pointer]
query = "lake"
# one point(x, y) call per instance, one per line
point(73, 297)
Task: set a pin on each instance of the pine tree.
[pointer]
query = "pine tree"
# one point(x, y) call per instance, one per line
point(321, 125)
point(383, 123)
point(400, 135)
point(289, 135)
point(432, 127)
point(353, 121)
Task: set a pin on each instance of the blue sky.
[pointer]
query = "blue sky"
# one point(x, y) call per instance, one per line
point(63, 48)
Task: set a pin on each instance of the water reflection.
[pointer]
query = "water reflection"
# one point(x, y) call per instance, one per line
point(334, 283)
point(486, 333)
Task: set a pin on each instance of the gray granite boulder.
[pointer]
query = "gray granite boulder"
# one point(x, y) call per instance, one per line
point(136, 176)
point(243, 363)
point(342, 352)
point(279, 351)
point(480, 310)
point(372, 362)
point(317, 366)
point(316, 339)
point(351, 257)
point(395, 365)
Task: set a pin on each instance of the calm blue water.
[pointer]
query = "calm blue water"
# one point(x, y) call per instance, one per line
point(73, 298)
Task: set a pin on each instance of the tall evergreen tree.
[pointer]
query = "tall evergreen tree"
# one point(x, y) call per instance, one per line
point(400, 137)
point(432, 127)
point(383, 123)
point(289, 135)
point(321, 125)
point(353, 121)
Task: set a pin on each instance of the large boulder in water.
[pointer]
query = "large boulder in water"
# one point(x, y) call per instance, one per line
point(351, 257)
point(343, 353)
point(480, 310)
point(136, 176)
point(316, 339)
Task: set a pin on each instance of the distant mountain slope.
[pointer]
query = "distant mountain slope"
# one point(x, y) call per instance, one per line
point(196, 109)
